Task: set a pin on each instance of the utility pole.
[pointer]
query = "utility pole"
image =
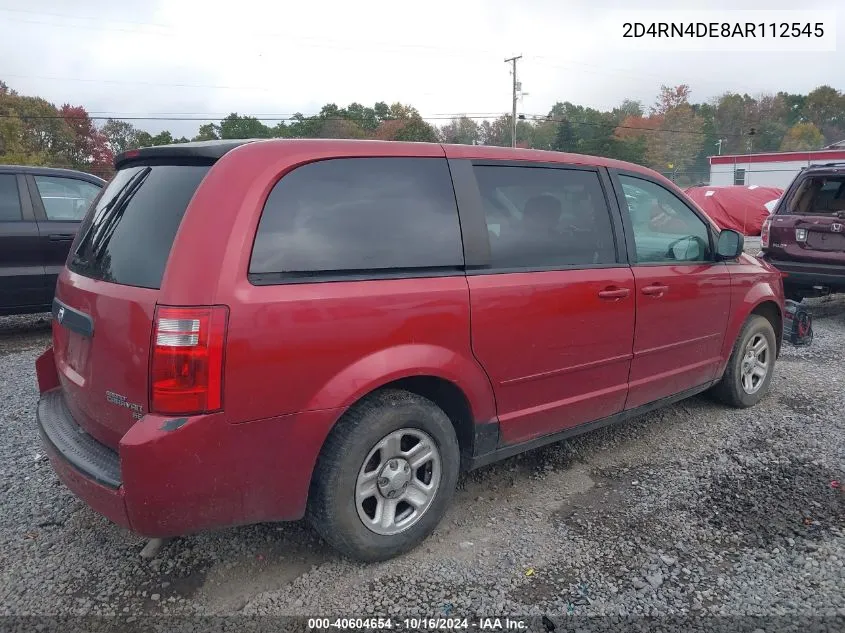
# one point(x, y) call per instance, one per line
point(719, 144)
point(512, 61)
point(751, 134)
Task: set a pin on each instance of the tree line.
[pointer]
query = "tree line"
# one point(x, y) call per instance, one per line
point(673, 135)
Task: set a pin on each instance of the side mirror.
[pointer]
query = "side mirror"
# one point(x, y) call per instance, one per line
point(730, 244)
point(687, 249)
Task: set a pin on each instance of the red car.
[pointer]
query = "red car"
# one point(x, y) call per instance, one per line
point(805, 236)
point(260, 331)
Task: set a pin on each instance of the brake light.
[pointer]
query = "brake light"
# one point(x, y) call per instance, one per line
point(764, 232)
point(186, 363)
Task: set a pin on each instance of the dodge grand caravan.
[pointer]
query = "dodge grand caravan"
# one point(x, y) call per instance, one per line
point(262, 331)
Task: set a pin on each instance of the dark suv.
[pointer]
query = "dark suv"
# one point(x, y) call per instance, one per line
point(256, 331)
point(805, 235)
point(40, 211)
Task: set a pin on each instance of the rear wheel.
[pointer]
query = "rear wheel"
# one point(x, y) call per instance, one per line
point(751, 365)
point(385, 476)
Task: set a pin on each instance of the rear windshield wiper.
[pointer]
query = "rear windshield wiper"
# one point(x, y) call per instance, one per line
point(111, 212)
point(97, 219)
point(101, 240)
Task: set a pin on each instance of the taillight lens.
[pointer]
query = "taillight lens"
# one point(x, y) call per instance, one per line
point(764, 232)
point(186, 366)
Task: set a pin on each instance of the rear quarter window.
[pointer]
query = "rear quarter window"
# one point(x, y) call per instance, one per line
point(358, 215)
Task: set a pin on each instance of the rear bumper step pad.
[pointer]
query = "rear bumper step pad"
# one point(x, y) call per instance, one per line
point(58, 428)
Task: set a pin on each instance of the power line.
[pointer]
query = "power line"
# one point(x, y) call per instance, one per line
point(512, 61)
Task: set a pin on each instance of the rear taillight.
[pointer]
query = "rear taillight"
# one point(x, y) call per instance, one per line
point(764, 232)
point(186, 365)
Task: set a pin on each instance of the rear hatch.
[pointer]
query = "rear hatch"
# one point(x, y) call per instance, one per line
point(809, 225)
point(106, 297)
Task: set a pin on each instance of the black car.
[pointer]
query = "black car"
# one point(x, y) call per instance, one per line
point(40, 211)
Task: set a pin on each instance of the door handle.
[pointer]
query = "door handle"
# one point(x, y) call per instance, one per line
point(61, 237)
point(614, 293)
point(655, 290)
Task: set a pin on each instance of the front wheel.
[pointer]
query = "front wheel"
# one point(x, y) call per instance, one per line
point(385, 476)
point(751, 365)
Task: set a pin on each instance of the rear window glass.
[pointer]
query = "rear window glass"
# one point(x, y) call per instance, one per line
point(359, 214)
point(819, 195)
point(126, 237)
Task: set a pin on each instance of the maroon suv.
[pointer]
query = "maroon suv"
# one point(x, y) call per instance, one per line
point(259, 331)
point(805, 235)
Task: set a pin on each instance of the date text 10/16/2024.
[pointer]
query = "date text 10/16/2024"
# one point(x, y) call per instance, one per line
point(414, 624)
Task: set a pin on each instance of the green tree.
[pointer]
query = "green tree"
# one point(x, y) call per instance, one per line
point(565, 139)
point(824, 107)
point(496, 132)
point(413, 129)
point(365, 117)
point(45, 131)
point(794, 107)
point(236, 126)
point(340, 128)
point(302, 126)
point(461, 131)
point(802, 136)
point(627, 108)
point(208, 132)
point(681, 139)
point(120, 135)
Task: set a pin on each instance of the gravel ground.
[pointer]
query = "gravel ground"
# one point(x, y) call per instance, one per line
point(695, 510)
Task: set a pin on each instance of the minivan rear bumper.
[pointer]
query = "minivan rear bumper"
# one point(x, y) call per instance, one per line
point(171, 477)
point(90, 469)
point(808, 274)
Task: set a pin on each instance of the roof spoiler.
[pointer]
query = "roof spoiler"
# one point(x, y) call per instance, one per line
point(208, 151)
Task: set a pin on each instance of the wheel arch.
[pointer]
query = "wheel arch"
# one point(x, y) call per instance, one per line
point(454, 382)
point(770, 310)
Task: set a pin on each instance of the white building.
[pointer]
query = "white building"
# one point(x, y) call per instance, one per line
point(776, 169)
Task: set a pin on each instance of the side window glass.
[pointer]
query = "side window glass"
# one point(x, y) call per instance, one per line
point(10, 201)
point(360, 214)
point(665, 229)
point(65, 199)
point(545, 217)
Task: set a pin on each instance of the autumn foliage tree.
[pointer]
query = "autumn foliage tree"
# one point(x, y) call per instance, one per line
point(802, 136)
point(88, 147)
point(676, 136)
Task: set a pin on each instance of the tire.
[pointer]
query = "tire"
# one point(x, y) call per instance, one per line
point(732, 389)
point(351, 461)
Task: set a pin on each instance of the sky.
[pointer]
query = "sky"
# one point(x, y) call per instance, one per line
point(192, 58)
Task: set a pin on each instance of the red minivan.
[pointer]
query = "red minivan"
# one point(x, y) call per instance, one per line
point(252, 331)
